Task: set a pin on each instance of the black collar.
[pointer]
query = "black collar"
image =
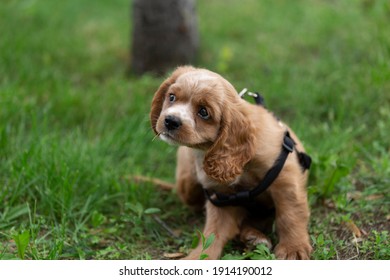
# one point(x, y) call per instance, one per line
point(243, 198)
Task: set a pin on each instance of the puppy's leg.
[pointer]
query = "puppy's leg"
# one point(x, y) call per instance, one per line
point(252, 236)
point(258, 223)
point(188, 188)
point(225, 223)
point(292, 217)
point(166, 186)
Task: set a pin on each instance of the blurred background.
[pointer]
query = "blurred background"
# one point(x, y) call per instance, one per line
point(74, 122)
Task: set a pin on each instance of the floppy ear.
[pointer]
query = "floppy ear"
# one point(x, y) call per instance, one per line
point(234, 147)
point(159, 96)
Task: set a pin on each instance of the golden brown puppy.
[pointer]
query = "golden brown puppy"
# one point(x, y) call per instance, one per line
point(228, 145)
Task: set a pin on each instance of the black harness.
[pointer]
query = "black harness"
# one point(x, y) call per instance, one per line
point(247, 197)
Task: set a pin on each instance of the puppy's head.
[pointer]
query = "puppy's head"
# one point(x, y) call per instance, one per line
point(200, 109)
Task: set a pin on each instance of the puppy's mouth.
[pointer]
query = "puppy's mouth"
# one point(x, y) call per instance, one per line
point(169, 137)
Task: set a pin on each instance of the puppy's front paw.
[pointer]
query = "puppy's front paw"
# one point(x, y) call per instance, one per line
point(252, 237)
point(287, 251)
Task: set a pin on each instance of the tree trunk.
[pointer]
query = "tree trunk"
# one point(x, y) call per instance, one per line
point(165, 35)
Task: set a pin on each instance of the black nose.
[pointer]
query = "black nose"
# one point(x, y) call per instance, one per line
point(172, 122)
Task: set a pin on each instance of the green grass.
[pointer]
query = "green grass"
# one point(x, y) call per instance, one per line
point(73, 125)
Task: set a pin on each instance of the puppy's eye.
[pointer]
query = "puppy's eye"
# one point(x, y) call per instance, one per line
point(203, 113)
point(172, 97)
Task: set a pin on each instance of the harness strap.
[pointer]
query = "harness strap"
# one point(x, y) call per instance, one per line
point(304, 160)
point(244, 197)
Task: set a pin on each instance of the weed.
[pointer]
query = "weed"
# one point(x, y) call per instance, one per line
point(206, 243)
point(22, 240)
point(260, 252)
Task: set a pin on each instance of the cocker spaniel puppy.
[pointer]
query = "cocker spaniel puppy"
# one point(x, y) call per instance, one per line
point(228, 147)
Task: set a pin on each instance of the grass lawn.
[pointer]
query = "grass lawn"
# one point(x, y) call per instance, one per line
point(74, 125)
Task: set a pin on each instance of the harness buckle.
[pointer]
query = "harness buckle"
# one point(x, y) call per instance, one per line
point(242, 196)
point(259, 100)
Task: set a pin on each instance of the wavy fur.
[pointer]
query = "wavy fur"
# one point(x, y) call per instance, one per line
point(231, 149)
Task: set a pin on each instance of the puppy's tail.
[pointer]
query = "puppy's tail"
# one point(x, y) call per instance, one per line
point(157, 182)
